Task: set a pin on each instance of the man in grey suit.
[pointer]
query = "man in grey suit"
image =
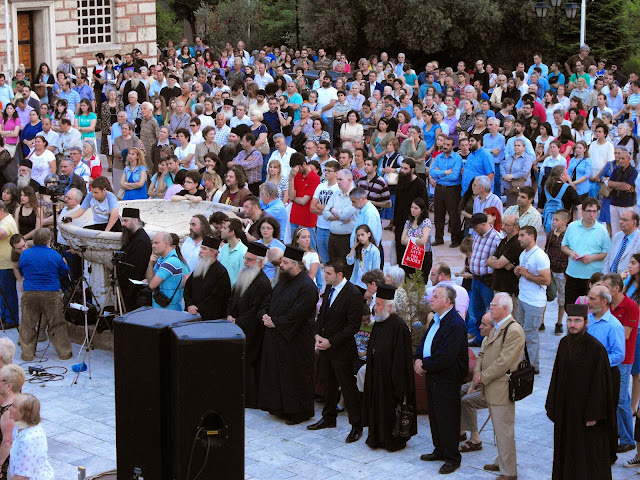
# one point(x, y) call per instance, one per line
point(624, 244)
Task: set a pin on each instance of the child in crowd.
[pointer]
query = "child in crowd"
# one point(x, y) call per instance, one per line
point(364, 255)
point(467, 276)
point(559, 260)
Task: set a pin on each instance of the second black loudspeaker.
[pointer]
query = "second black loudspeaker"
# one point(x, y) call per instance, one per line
point(207, 396)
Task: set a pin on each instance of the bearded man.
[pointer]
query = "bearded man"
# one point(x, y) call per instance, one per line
point(24, 175)
point(208, 288)
point(580, 403)
point(410, 187)
point(232, 148)
point(137, 247)
point(248, 297)
point(198, 229)
point(286, 377)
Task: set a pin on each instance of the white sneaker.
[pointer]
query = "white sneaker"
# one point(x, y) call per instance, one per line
point(634, 462)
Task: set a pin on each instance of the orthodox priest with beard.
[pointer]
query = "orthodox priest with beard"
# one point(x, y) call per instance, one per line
point(389, 379)
point(208, 288)
point(136, 245)
point(232, 147)
point(410, 187)
point(248, 297)
point(580, 403)
point(286, 375)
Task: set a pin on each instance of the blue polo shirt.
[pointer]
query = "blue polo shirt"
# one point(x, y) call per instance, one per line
point(441, 164)
point(478, 163)
point(171, 270)
point(586, 241)
point(610, 333)
point(491, 142)
point(42, 268)
point(277, 210)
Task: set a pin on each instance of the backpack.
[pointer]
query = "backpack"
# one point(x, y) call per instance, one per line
point(552, 206)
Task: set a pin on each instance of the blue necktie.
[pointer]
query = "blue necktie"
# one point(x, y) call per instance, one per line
point(614, 267)
point(331, 292)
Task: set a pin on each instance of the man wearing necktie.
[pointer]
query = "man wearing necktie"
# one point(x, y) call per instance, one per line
point(624, 244)
point(338, 321)
point(442, 356)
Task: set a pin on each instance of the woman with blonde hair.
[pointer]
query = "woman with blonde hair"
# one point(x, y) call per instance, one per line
point(134, 177)
point(12, 378)
point(90, 158)
point(274, 175)
point(7, 351)
point(29, 448)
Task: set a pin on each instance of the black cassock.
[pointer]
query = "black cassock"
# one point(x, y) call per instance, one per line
point(246, 309)
point(138, 252)
point(581, 391)
point(286, 375)
point(389, 378)
point(210, 294)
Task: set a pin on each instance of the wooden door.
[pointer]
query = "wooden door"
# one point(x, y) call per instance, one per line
point(25, 43)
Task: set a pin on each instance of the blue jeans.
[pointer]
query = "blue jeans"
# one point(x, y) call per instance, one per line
point(312, 232)
point(479, 301)
point(9, 304)
point(530, 317)
point(322, 239)
point(625, 418)
point(497, 181)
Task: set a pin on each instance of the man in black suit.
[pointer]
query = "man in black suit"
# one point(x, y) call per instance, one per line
point(338, 321)
point(442, 356)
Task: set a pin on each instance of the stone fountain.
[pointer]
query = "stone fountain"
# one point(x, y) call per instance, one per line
point(157, 215)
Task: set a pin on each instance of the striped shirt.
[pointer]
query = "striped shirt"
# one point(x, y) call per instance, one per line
point(484, 246)
point(377, 189)
point(492, 200)
point(531, 217)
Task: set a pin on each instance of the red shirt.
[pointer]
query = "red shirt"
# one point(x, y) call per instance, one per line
point(301, 214)
point(627, 312)
point(539, 111)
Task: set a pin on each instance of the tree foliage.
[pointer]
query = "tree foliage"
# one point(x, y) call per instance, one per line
point(230, 21)
point(167, 26)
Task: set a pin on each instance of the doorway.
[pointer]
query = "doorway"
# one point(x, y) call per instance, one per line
point(26, 43)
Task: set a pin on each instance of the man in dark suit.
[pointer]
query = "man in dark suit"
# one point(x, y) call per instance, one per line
point(338, 321)
point(442, 356)
point(372, 85)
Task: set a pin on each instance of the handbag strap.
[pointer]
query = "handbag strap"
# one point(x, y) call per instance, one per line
point(603, 168)
point(504, 335)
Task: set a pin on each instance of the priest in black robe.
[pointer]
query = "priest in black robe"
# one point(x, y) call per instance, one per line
point(248, 297)
point(580, 403)
point(389, 379)
point(208, 288)
point(286, 376)
point(136, 246)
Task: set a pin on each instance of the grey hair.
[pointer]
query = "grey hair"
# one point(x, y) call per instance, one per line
point(347, 173)
point(504, 300)
point(469, 88)
point(449, 292)
point(132, 93)
point(75, 149)
point(519, 140)
point(52, 177)
point(278, 135)
point(148, 105)
point(396, 274)
point(269, 189)
point(76, 193)
point(484, 182)
point(198, 109)
point(392, 303)
point(604, 294)
point(492, 120)
point(129, 125)
point(559, 111)
point(358, 193)
point(7, 350)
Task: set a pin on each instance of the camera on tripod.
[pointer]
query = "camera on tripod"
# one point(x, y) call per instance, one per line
point(56, 191)
point(118, 257)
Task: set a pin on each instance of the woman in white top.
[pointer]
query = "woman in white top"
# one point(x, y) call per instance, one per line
point(551, 103)
point(43, 159)
point(352, 128)
point(186, 152)
point(29, 448)
point(301, 238)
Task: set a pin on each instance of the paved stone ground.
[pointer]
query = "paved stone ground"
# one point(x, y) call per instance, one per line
point(80, 425)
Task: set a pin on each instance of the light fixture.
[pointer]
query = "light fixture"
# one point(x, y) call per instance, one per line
point(556, 3)
point(571, 9)
point(541, 9)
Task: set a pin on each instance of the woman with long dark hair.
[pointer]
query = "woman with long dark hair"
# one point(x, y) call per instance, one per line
point(44, 81)
point(10, 128)
point(417, 228)
point(28, 217)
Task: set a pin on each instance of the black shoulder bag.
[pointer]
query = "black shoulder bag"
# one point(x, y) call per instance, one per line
point(161, 299)
point(520, 380)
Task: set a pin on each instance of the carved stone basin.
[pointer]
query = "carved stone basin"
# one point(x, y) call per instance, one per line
point(157, 215)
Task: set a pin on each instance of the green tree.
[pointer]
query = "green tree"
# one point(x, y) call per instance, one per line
point(230, 21)
point(278, 20)
point(167, 26)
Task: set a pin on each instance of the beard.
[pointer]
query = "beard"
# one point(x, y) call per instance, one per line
point(232, 145)
point(246, 276)
point(286, 275)
point(23, 180)
point(134, 83)
point(576, 345)
point(404, 179)
point(380, 317)
point(193, 235)
point(127, 235)
point(202, 267)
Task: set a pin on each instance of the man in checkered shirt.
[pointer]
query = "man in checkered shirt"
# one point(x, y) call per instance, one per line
point(484, 246)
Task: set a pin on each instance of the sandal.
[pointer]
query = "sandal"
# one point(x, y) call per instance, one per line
point(469, 446)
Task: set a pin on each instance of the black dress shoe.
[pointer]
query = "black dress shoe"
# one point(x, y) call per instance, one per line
point(437, 242)
point(322, 423)
point(354, 435)
point(454, 245)
point(448, 468)
point(431, 457)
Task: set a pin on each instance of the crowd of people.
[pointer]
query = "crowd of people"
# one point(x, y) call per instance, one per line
point(317, 157)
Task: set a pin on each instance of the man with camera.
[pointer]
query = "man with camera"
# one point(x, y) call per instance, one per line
point(103, 204)
point(71, 179)
point(134, 258)
point(42, 267)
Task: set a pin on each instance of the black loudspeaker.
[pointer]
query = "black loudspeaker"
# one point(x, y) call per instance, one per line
point(207, 398)
point(142, 370)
